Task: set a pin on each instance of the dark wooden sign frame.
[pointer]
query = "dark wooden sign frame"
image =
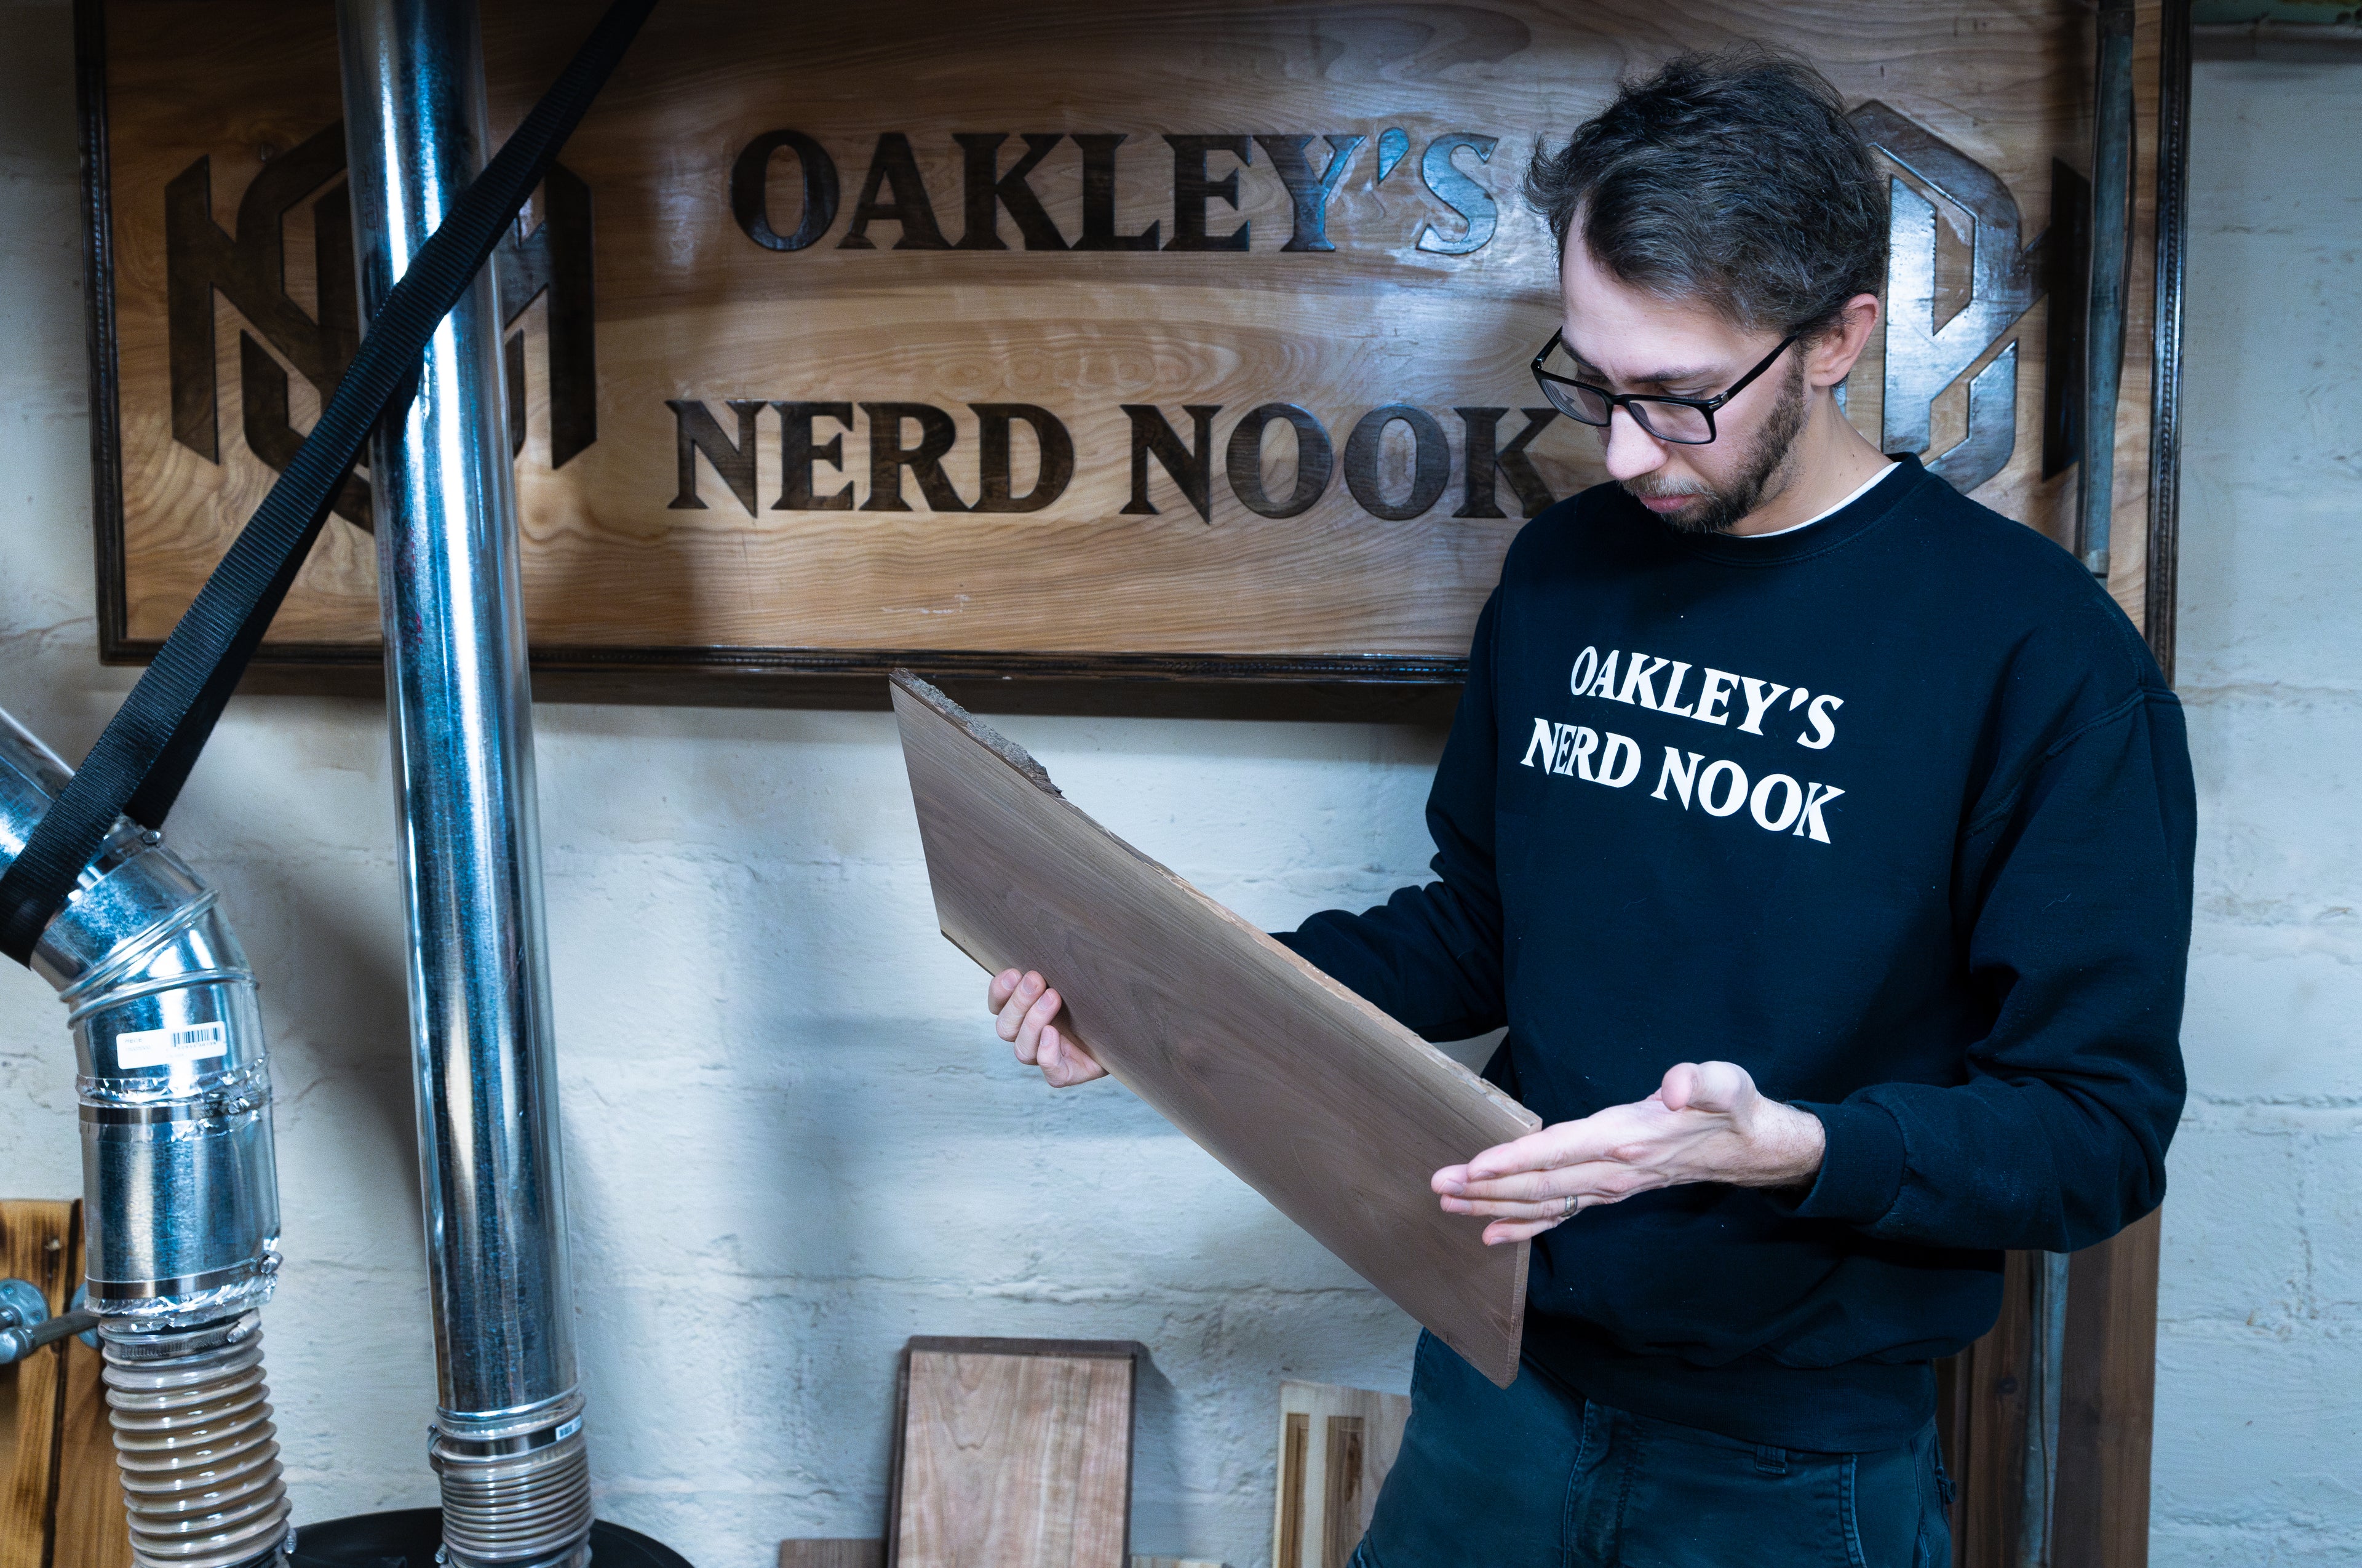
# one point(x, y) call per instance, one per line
point(1336, 685)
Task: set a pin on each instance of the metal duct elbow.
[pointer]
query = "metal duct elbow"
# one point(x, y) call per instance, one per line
point(180, 1181)
point(182, 1222)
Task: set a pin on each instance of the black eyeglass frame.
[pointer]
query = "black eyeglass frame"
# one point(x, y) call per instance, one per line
point(1632, 402)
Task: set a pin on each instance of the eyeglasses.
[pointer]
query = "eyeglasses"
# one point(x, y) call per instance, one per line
point(1684, 421)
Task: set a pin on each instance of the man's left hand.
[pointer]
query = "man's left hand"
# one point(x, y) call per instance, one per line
point(1707, 1121)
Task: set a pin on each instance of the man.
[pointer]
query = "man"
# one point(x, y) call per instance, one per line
point(1821, 838)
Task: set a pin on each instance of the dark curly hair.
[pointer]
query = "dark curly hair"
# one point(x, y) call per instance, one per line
point(1731, 177)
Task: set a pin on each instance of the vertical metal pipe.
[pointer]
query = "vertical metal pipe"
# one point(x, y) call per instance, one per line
point(508, 1441)
point(2110, 283)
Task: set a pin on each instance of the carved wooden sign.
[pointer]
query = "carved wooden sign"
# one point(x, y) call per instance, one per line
point(1047, 339)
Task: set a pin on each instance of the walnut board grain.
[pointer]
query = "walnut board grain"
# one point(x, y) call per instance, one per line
point(1014, 1453)
point(1334, 1112)
point(690, 308)
point(1336, 1445)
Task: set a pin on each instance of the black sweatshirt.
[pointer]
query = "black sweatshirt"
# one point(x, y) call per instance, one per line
point(1894, 810)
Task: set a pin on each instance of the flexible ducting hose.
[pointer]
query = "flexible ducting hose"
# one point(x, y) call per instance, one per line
point(198, 1452)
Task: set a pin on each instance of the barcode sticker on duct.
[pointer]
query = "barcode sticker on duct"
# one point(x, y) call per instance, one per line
point(171, 1048)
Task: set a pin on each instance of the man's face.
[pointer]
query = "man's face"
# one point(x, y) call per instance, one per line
point(1628, 341)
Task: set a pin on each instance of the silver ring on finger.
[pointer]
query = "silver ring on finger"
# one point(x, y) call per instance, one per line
point(1566, 1210)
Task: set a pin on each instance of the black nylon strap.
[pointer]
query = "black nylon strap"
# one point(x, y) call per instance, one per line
point(141, 762)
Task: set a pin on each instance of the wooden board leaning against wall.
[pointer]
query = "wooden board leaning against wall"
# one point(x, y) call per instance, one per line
point(773, 229)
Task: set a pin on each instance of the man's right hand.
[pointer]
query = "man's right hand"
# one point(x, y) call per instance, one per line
point(1023, 1006)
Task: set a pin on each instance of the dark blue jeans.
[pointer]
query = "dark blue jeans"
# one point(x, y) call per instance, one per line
point(1534, 1476)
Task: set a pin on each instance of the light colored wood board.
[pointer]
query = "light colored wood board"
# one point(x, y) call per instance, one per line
point(1336, 1446)
point(36, 1245)
point(1013, 1455)
point(1295, 1458)
point(855, 1553)
point(688, 306)
point(1334, 1112)
point(92, 1530)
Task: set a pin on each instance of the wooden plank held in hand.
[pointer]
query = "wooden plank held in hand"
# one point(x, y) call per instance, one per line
point(1014, 1454)
point(1334, 1111)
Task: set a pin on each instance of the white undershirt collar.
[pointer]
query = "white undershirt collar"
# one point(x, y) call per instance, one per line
point(1868, 485)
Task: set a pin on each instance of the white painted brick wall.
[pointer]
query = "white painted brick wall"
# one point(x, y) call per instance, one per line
point(792, 1142)
point(2259, 1347)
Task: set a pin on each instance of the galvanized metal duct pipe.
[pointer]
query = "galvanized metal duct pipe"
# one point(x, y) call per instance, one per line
point(508, 1443)
point(180, 1182)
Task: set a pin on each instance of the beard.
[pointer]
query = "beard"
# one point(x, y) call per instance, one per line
point(1720, 508)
